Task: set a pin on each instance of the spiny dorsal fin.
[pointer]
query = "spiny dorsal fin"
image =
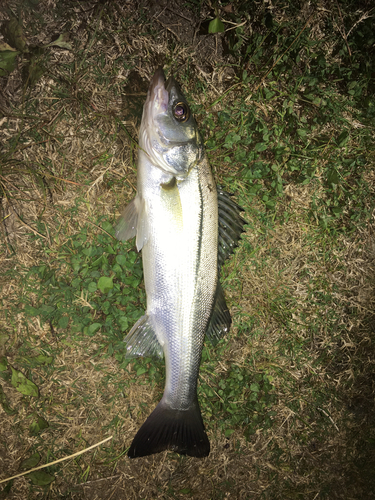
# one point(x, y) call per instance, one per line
point(142, 340)
point(230, 225)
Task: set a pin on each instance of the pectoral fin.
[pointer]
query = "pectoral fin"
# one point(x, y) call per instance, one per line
point(133, 222)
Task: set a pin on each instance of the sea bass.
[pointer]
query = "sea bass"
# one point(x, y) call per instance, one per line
point(186, 227)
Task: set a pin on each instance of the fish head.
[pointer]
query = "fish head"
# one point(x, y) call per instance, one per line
point(169, 133)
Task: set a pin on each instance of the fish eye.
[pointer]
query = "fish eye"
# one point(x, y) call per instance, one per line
point(181, 111)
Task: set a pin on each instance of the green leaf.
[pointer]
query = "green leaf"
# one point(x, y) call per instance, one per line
point(94, 327)
point(141, 370)
point(7, 60)
point(5, 376)
point(13, 32)
point(42, 359)
point(6, 489)
point(254, 387)
point(260, 146)
point(121, 260)
point(337, 211)
point(97, 262)
point(105, 284)
point(62, 42)
point(30, 462)
point(41, 478)
point(92, 287)
point(108, 227)
point(216, 26)
point(3, 338)
point(3, 363)
point(123, 322)
point(38, 425)
point(36, 70)
point(46, 310)
point(342, 139)
point(333, 177)
point(4, 403)
point(23, 384)
point(63, 322)
point(229, 432)
point(4, 47)
point(31, 311)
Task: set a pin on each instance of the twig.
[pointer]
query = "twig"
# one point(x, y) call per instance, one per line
point(98, 480)
point(101, 229)
point(364, 16)
point(331, 419)
point(167, 28)
point(56, 461)
point(62, 179)
point(236, 25)
point(178, 14)
point(29, 227)
point(343, 34)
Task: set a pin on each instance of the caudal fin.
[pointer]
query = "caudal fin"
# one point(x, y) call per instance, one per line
point(181, 431)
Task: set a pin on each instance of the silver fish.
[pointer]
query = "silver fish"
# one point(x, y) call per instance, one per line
point(186, 227)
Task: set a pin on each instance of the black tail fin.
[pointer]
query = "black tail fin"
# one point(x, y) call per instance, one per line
point(181, 431)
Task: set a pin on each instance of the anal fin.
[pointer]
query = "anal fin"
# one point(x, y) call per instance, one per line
point(142, 340)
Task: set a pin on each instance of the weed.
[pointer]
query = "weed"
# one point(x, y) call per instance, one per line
point(237, 397)
point(100, 287)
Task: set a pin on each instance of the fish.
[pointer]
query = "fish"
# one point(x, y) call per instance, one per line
point(185, 227)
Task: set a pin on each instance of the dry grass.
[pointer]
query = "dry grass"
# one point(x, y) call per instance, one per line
point(302, 301)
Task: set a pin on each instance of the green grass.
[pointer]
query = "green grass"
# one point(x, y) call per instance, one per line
point(287, 397)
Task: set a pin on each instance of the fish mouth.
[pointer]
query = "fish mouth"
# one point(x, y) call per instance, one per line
point(161, 89)
point(159, 80)
point(158, 95)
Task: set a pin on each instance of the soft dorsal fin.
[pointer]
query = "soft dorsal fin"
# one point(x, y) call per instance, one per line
point(230, 225)
point(142, 340)
point(220, 320)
